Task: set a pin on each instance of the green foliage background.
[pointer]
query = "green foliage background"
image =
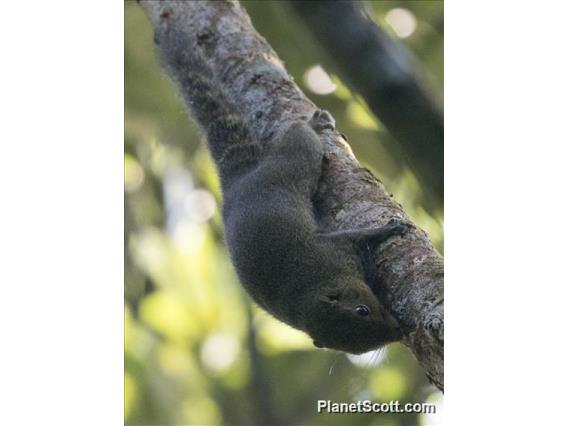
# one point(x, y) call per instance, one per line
point(197, 352)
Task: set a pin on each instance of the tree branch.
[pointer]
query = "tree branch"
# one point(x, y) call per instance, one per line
point(388, 78)
point(252, 76)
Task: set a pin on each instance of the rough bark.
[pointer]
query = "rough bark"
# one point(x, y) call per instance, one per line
point(388, 78)
point(252, 76)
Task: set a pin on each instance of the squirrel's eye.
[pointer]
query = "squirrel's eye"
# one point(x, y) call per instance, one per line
point(362, 310)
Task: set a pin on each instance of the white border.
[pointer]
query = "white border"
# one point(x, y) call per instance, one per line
point(61, 162)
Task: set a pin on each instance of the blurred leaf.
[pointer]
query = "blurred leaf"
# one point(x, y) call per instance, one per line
point(388, 384)
point(361, 116)
point(171, 317)
point(129, 394)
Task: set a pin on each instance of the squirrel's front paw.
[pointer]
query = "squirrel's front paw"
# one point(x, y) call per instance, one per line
point(399, 227)
point(322, 120)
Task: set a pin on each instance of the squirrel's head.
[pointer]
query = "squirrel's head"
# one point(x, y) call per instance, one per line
point(351, 319)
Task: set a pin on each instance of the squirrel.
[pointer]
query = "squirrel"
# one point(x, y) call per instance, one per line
point(311, 280)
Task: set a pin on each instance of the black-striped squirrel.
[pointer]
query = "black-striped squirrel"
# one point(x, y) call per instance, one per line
point(311, 280)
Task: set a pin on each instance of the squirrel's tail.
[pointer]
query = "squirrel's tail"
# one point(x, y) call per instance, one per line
point(226, 131)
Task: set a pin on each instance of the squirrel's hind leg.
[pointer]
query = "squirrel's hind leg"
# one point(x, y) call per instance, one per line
point(322, 120)
point(232, 147)
point(238, 160)
point(225, 133)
